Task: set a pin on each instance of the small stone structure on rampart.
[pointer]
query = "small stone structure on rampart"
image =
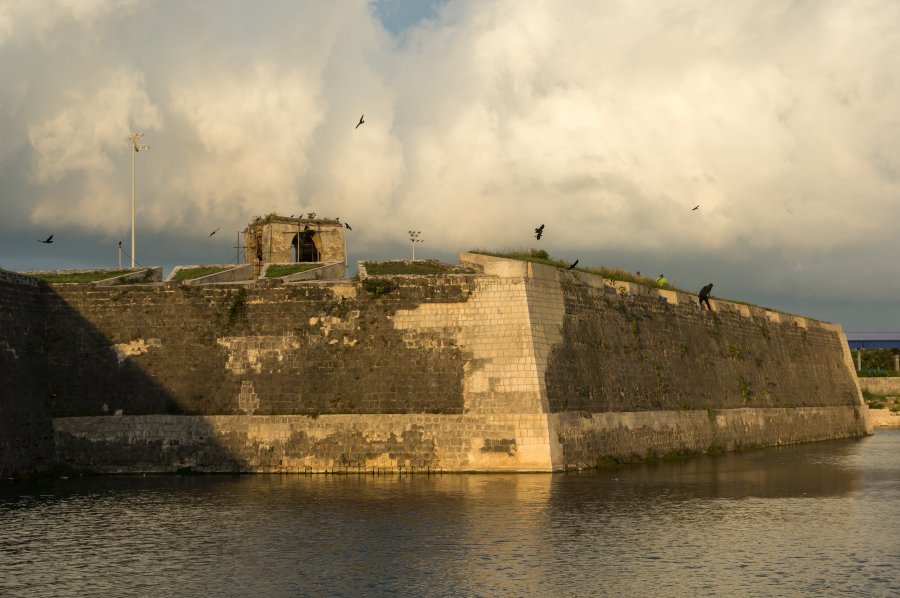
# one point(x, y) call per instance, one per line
point(282, 240)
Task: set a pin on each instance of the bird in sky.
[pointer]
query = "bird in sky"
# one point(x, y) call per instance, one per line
point(361, 121)
point(347, 226)
point(575, 263)
point(538, 232)
point(47, 240)
point(695, 208)
point(215, 231)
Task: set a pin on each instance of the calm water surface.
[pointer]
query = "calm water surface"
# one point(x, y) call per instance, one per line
point(821, 519)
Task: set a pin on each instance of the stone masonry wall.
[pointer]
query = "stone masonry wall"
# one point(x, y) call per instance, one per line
point(627, 352)
point(26, 432)
point(633, 372)
point(628, 370)
point(881, 386)
point(232, 349)
point(591, 439)
point(522, 368)
point(452, 345)
point(298, 444)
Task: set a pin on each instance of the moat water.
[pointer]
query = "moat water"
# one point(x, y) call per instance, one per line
point(814, 520)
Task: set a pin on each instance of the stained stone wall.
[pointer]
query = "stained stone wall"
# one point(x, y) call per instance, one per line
point(298, 444)
point(435, 371)
point(252, 349)
point(26, 431)
point(657, 355)
point(522, 367)
point(628, 371)
point(881, 386)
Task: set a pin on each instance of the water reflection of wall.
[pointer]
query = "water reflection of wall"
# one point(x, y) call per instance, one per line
point(731, 525)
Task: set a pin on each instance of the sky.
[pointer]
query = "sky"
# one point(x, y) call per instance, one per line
point(607, 121)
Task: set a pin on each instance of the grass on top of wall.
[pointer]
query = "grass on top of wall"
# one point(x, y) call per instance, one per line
point(192, 273)
point(279, 270)
point(81, 276)
point(540, 256)
point(407, 267)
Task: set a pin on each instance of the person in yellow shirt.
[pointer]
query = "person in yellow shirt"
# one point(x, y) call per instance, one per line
point(661, 281)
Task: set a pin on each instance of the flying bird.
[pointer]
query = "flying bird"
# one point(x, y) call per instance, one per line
point(361, 121)
point(697, 207)
point(215, 231)
point(47, 240)
point(575, 263)
point(538, 232)
point(347, 226)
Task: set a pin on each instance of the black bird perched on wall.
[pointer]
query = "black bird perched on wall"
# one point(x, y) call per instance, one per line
point(215, 231)
point(361, 121)
point(347, 226)
point(538, 232)
point(575, 263)
point(47, 240)
point(695, 208)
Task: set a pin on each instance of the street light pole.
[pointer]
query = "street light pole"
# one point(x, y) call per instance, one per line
point(134, 138)
point(414, 238)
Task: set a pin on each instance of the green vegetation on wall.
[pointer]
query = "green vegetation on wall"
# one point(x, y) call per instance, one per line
point(193, 273)
point(407, 268)
point(81, 276)
point(279, 270)
point(379, 286)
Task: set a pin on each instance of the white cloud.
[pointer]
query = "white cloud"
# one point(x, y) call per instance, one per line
point(41, 20)
point(90, 126)
point(607, 121)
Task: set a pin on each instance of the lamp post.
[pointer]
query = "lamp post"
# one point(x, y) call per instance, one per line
point(414, 238)
point(134, 138)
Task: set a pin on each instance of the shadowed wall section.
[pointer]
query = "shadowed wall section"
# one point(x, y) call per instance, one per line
point(26, 430)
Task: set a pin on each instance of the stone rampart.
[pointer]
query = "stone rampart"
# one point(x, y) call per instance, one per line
point(523, 368)
point(26, 431)
point(884, 418)
point(881, 386)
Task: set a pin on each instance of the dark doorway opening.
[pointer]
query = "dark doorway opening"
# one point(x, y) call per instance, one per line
point(304, 248)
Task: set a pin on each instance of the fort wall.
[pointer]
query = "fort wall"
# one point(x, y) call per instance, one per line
point(522, 367)
point(881, 386)
point(26, 430)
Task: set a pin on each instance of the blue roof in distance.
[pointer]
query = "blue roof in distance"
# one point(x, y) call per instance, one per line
point(873, 340)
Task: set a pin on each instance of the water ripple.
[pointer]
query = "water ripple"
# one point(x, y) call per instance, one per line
point(811, 520)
